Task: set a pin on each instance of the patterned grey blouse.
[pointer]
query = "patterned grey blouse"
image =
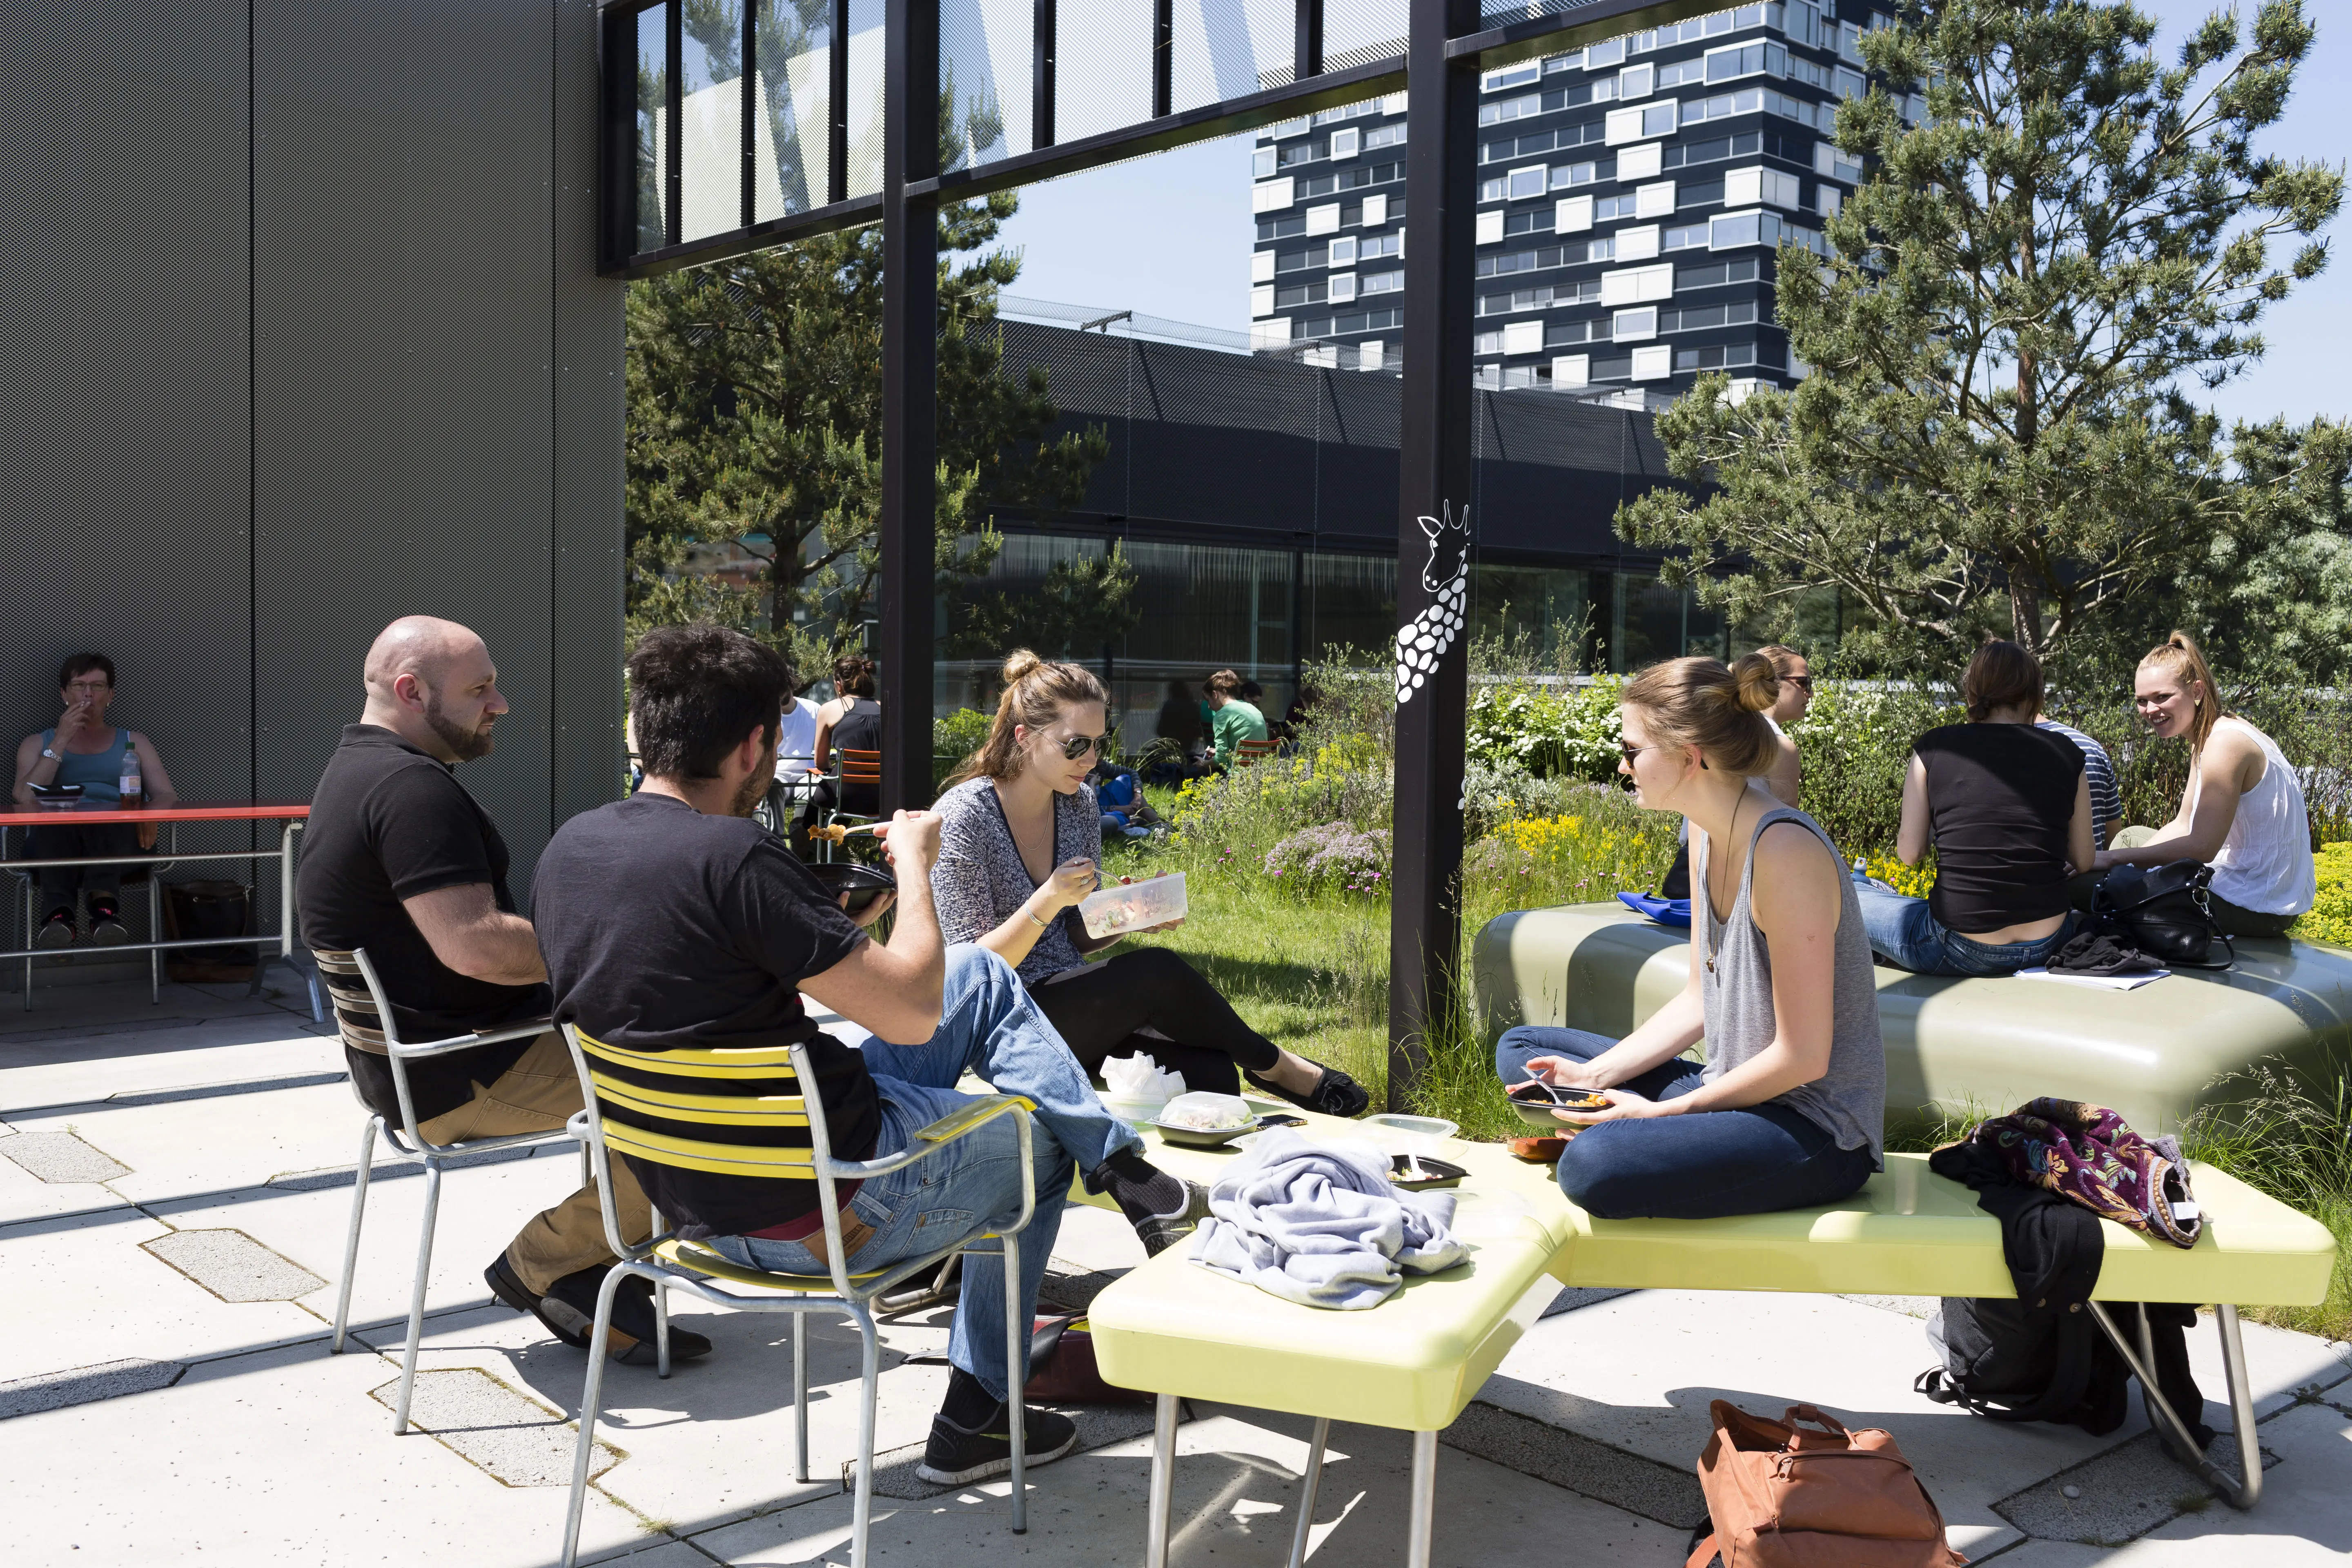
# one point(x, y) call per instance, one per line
point(979, 881)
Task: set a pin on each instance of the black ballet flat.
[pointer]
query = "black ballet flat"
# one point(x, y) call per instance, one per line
point(1334, 1094)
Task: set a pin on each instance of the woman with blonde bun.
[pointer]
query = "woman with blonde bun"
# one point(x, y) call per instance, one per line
point(1788, 1110)
point(2243, 813)
point(1020, 840)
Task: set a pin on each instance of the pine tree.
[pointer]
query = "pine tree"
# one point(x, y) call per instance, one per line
point(2000, 432)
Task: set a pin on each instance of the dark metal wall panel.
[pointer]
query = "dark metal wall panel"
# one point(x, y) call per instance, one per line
point(123, 372)
point(590, 417)
point(406, 302)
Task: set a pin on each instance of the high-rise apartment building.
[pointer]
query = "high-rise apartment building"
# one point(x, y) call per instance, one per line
point(1629, 198)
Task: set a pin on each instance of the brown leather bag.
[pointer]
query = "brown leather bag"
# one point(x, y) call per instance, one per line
point(1782, 1495)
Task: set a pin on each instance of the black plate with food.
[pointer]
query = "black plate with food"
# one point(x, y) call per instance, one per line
point(1431, 1172)
point(1535, 1102)
point(862, 883)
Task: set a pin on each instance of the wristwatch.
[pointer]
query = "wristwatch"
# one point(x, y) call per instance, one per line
point(52, 755)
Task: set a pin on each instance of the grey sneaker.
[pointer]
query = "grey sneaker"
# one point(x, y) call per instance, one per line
point(57, 931)
point(1161, 1231)
point(108, 931)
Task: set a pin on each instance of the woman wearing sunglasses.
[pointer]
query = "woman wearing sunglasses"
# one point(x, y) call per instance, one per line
point(1020, 835)
point(1788, 1110)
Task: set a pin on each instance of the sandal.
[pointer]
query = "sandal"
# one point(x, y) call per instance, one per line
point(1334, 1094)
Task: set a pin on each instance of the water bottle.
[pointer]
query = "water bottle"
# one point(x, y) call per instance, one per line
point(128, 787)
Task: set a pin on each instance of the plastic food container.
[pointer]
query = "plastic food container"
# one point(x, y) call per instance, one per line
point(1132, 905)
point(1202, 1112)
point(1398, 1134)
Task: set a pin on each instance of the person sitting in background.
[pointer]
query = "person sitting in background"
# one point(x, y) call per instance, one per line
point(2007, 805)
point(2099, 770)
point(1179, 725)
point(1119, 794)
point(83, 749)
point(721, 933)
point(400, 859)
point(1020, 837)
point(1787, 778)
point(853, 720)
point(2243, 812)
point(1786, 1111)
point(1233, 719)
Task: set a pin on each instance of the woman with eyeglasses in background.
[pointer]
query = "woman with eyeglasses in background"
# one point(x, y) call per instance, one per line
point(1020, 837)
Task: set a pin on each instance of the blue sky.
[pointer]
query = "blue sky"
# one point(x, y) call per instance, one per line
point(1170, 236)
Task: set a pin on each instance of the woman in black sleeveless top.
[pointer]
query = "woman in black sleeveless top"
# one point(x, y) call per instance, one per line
point(2008, 807)
point(851, 722)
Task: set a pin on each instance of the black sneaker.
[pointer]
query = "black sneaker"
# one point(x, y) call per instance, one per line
point(569, 1312)
point(956, 1456)
point(57, 930)
point(106, 931)
point(1334, 1094)
point(1161, 1231)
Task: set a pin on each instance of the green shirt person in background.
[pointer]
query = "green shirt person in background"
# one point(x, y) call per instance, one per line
point(1230, 721)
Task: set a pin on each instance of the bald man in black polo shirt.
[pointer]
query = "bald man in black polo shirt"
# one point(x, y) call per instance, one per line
point(399, 859)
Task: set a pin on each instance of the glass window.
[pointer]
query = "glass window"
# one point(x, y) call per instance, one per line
point(710, 120)
point(1527, 181)
point(652, 124)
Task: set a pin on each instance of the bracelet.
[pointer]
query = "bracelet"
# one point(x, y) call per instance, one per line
point(1041, 925)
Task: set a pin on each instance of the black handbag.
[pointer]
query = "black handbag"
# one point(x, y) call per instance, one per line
point(2166, 912)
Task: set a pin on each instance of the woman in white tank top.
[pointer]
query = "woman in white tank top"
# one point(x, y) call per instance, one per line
point(2243, 813)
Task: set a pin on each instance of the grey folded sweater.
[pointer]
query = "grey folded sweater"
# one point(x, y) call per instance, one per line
point(1321, 1224)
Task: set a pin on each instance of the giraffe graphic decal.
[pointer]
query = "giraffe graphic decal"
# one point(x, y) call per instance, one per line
point(1423, 641)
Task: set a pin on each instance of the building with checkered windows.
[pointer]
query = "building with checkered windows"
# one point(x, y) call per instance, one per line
point(1631, 196)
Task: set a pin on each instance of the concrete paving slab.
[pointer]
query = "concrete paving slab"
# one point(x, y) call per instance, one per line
point(83, 1062)
point(86, 1385)
point(2123, 1494)
point(60, 1156)
point(80, 1291)
point(490, 1423)
point(234, 1266)
point(715, 1441)
point(275, 1457)
point(198, 1144)
point(1236, 1488)
point(2052, 1554)
point(896, 1472)
point(2305, 1516)
point(23, 1196)
point(1596, 1470)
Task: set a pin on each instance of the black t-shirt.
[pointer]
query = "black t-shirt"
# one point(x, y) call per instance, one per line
point(668, 929)
point(2000, 800)
point(388, 823)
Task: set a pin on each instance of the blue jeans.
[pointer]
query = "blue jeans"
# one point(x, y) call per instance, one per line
point(990, 1026)
point(1905, 931)
point(1754, 1160)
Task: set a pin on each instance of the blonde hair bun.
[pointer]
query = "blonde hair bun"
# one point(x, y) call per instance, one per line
point(1759, 682)
point(1018, 664)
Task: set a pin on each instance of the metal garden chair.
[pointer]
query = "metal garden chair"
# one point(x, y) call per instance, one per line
point(364, 1018)
point(611, 1079)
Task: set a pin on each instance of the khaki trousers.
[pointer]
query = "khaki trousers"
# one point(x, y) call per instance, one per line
point(541, 1092)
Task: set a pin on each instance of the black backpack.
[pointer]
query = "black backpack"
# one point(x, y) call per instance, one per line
point(2012, 1362)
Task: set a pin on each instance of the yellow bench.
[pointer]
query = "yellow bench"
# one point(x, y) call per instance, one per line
point(1413, 1362)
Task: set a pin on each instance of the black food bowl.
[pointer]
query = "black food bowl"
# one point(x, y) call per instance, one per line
point(863, 885)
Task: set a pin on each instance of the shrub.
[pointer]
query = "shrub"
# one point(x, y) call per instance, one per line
point(1544, 732)
point(1606, 846)
point(1855, 741)
point(2330, 918)
point(955, 737)
point(1337, 855)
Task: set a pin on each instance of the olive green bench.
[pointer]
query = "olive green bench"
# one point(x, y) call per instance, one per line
point(1965, 1047)
point(1176, 1330)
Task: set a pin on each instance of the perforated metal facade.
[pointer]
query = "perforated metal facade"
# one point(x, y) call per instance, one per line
point(302, 331)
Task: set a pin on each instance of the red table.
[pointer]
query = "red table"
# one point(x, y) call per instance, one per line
point(290, 815)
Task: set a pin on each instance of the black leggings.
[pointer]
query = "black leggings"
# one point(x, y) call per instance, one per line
point(1098, 1012)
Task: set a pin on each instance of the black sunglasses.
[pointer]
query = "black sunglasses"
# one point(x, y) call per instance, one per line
point(1078, 746)
point(1804, 680)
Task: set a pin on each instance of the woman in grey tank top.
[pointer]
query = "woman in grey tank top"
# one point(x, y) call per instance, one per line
point(1786, 1110)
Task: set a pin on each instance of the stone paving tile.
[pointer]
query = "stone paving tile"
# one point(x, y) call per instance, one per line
point(180, 1146)
point(2050, 1554)
point(1236, 1489)
point(23, 1196)
point(277, 1457)
point(85, 1385)
point(60, 1156)
point(233, 1265)
point(1663, 1492)
point(80, 1291)
point(2304, 1518)
point(492, 1424)
point(2124, 1493)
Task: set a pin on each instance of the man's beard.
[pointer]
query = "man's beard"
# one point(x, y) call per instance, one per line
point(747, 797)
point(463, 744)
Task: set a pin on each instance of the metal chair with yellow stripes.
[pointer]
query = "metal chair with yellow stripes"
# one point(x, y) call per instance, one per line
point(673, 1108)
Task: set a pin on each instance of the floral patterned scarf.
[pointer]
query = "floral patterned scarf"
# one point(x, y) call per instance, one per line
point(2085, 1152)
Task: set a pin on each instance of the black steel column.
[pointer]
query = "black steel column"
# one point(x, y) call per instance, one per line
point(1045, 27)
point(836, 107)
point(910, 356)
point(1306, 45)
point(1433, 538)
